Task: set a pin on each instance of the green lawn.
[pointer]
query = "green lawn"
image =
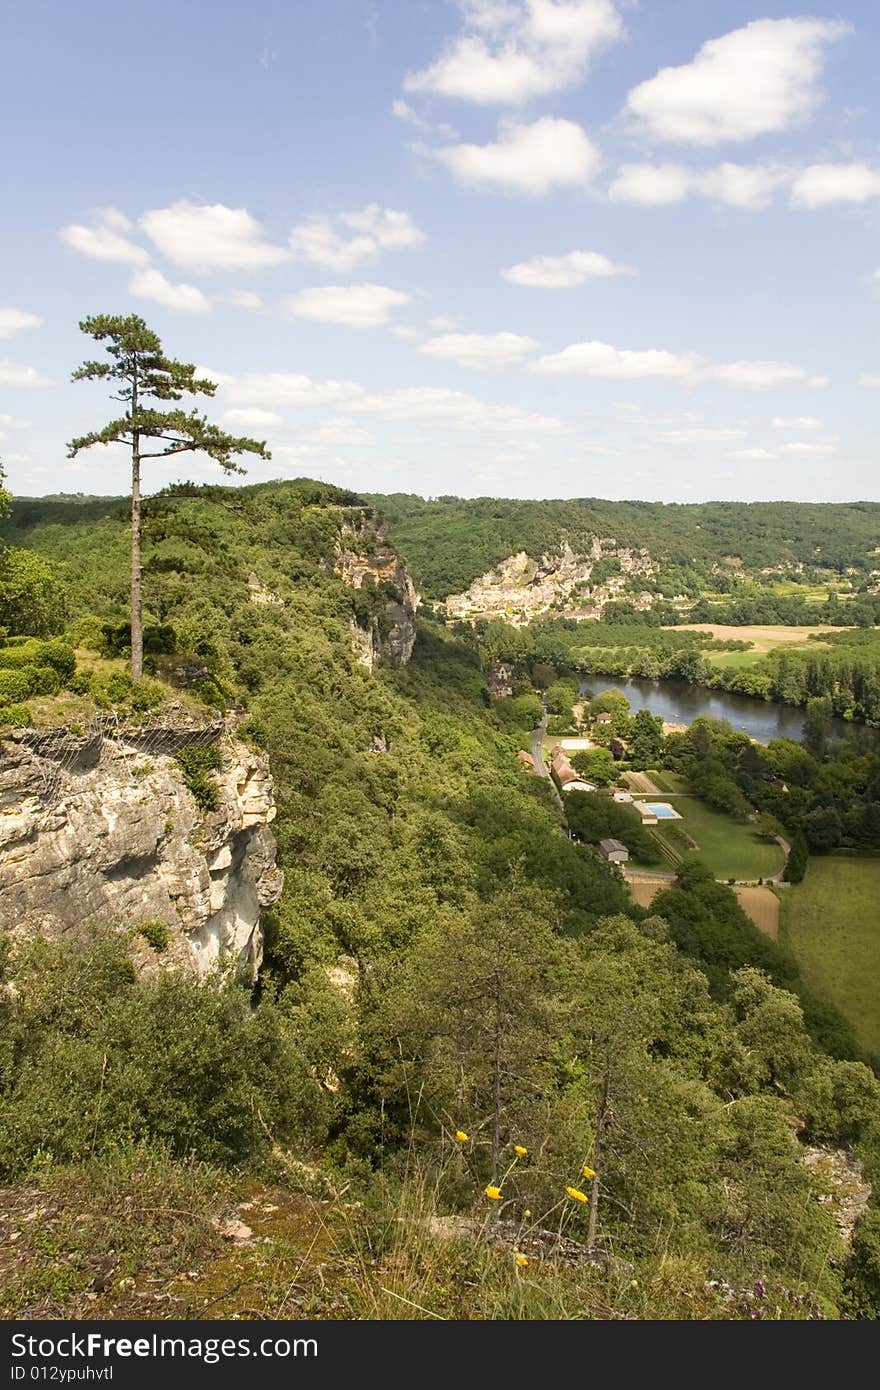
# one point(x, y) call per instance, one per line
point(831, 923)
point(735, 661)
point(730, 849)
point(667, 781)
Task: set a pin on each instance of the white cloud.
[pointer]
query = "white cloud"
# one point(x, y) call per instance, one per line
point(759, 375)
point(319, 240)
point(518, 49)
point(429, 403)
point(12, 422)
point(242, 299)
point(251, 417)
point(821, 184)
point(818, 381)
point(702, 435)
point(337, 434)
point(404, 112)
point(405, 330)
point(358, 306)
point(12, 321)
point(530, 159)
point(206, 237)
point(801, 449)
point(151, 284)
point(282, 388)
point(442, 323)
point(758, 454)
point(651, 185)
point(742, 185)
point(869, 379)
point(456, 408)
point(563, 272)
point(752, 81)
point(12, 374)
point(105, 241)
point(480, 349)
point(601, 359)
point(735, 185)
point(796, 422)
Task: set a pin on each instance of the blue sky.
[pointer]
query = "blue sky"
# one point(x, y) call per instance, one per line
point(511, 247)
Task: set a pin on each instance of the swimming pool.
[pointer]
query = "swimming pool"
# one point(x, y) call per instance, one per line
point(662, 810)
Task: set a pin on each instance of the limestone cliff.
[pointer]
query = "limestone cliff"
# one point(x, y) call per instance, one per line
point(383, 623)
point(522, 588)
point(99, 827)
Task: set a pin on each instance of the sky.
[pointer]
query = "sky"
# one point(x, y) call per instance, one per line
point(524, 248)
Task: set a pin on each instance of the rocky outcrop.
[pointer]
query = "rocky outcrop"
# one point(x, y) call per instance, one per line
point(383, 623)
point(522, 588)
point(100, 829)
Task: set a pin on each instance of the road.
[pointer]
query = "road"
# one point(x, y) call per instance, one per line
point(538, 758)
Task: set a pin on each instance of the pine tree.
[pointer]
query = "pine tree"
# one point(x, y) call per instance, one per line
point(143, 374)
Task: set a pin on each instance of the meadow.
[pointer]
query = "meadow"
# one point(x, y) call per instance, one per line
point(830, 924)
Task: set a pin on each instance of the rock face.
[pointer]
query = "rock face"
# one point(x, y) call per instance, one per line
point(384, 621)
point(521, 588)
point(103, 830)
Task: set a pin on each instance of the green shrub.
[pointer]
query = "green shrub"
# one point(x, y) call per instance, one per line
point(145, 695)
point(95, 1059)
point(156, 934)
point(86, 632)
point(210, 694)
point(45, 681)
point(15, 716)
point(59, 655)
point(196, 761)
point(15, 685)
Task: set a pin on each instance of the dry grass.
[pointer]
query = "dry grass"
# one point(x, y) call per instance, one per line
point(765, 639)
point(762, 905)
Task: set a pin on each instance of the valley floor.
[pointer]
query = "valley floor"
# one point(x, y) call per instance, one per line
point(830, 921)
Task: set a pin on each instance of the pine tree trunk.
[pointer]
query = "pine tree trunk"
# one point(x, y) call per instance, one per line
point(137, 627)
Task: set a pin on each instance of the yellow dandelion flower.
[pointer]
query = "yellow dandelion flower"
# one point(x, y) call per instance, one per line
point(576, 1195)
point(522, 1260)
point(527, 1213)
point(519, 1150)
point(493, 1193)
point(461, 1136)
point(588, 1172)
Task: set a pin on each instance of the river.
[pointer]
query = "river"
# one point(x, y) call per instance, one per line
point(681, 703)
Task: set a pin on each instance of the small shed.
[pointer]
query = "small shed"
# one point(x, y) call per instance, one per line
point(613, 851)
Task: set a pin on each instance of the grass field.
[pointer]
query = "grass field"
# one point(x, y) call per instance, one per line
point(728, 848)
point(667, 781)
point(735, 661)
point(763, 639)
point(830, 922)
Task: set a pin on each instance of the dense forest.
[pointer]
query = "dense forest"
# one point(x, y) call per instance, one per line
point(449, 541)
point(514, 1028)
